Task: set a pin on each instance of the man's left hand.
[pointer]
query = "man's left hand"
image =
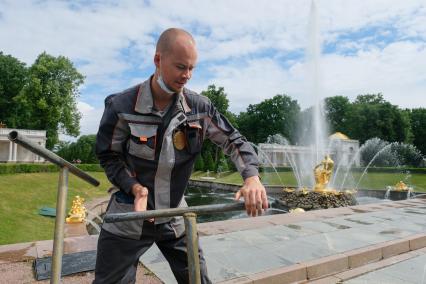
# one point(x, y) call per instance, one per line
point(254, 194)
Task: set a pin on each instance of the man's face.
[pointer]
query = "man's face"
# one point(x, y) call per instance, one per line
point(176, 65)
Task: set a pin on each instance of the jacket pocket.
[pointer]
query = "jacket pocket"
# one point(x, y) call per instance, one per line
point(127, 229)
point(193, 137)
point(143, 140)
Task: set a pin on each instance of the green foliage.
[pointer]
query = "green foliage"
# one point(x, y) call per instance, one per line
point(199, 163)
point(49, 98)
point(90, 167)
point(83, 149)
point(27, 168)
point(378, 152)
point(222, 164)
point(43, 168)
point(372, 116)
point(209, 164)
point(219, 99)
point(418, 127)
point(400, 170)
point(13, 75)
point(271, 116)
point(336, 109)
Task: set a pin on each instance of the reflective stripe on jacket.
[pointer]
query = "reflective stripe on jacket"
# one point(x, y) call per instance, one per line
point(130, 151)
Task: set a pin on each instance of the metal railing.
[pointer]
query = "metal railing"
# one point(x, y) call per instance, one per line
point(189, 214)
point(28, 132)
point(66, 167)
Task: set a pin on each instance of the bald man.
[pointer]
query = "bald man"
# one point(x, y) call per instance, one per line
point(148, 140)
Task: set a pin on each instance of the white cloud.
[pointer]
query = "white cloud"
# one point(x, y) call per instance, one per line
point(89, 123)
point(90, 119)
point(244, 45)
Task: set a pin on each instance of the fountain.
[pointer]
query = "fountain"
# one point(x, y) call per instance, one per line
point(320, 196)
point(319, 188)
point(313, 190)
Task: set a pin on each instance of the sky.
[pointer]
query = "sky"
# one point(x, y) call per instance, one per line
point(254, 49)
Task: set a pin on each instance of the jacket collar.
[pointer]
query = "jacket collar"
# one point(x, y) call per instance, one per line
point(144, 102)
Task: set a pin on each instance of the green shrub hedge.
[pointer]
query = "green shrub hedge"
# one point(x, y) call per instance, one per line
point(43, 168)
point(359, 169)
point(391, 170)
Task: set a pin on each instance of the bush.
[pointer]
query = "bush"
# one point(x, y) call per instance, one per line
point(43, 168)
point(90, 167)
point(27, 168)
point(391, 170)
point(83, 149)
point(384, 154)
point(209, 163)
point(199, 163)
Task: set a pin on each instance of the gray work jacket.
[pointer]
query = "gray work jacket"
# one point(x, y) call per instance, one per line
point(135, 144)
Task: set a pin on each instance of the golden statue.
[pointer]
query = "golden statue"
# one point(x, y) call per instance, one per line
point(401, 186)
point(322, 174)
point(77, 213)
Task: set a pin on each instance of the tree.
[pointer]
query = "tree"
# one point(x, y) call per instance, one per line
point(418, 128)
point(382, 153)
point(199, 163)
point(209, 164)
point(271, 116)
point(219, 99)
point(83, 149)
point(372, 116)
point(13, 75)
point(49, 98)
point(336, 110)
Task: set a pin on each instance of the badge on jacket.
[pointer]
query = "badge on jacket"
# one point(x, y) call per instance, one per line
point(179, 140)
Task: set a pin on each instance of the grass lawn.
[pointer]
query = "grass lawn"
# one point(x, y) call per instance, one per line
point(369, 180)
point(22, 195)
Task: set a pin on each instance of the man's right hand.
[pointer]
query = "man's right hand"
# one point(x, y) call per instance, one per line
point(141, 197)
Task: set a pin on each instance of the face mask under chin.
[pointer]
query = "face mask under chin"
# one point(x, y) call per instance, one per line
point(163, 86)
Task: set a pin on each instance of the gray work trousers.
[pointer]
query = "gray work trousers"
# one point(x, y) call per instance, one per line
point(117, 257)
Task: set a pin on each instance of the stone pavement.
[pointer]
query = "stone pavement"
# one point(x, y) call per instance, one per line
point(312, 245)
point(373, 243)
point(409, 271)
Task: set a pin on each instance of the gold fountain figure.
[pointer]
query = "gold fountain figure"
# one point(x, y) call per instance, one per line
point(401, 186)
point(322, 174)
point(77, 213)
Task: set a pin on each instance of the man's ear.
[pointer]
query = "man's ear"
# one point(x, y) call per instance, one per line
point(157, 60)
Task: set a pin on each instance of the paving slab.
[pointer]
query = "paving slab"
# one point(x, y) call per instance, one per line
point(409, 271)
point(297, 250)
point(262, 249)
point(242, 251)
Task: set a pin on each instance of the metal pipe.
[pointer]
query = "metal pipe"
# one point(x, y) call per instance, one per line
point(201, 209)
point(58, 240)
point(22, 140)
point(190, 220)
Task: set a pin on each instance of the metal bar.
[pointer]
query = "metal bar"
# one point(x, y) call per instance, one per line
point(192, 248)
point(58, 240)
point(202, 209)
point(22, 140)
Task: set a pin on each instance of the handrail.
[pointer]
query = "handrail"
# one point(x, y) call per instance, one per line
point(190, 218)
point(180, 211)
point(22, 140)
point(61, 200)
